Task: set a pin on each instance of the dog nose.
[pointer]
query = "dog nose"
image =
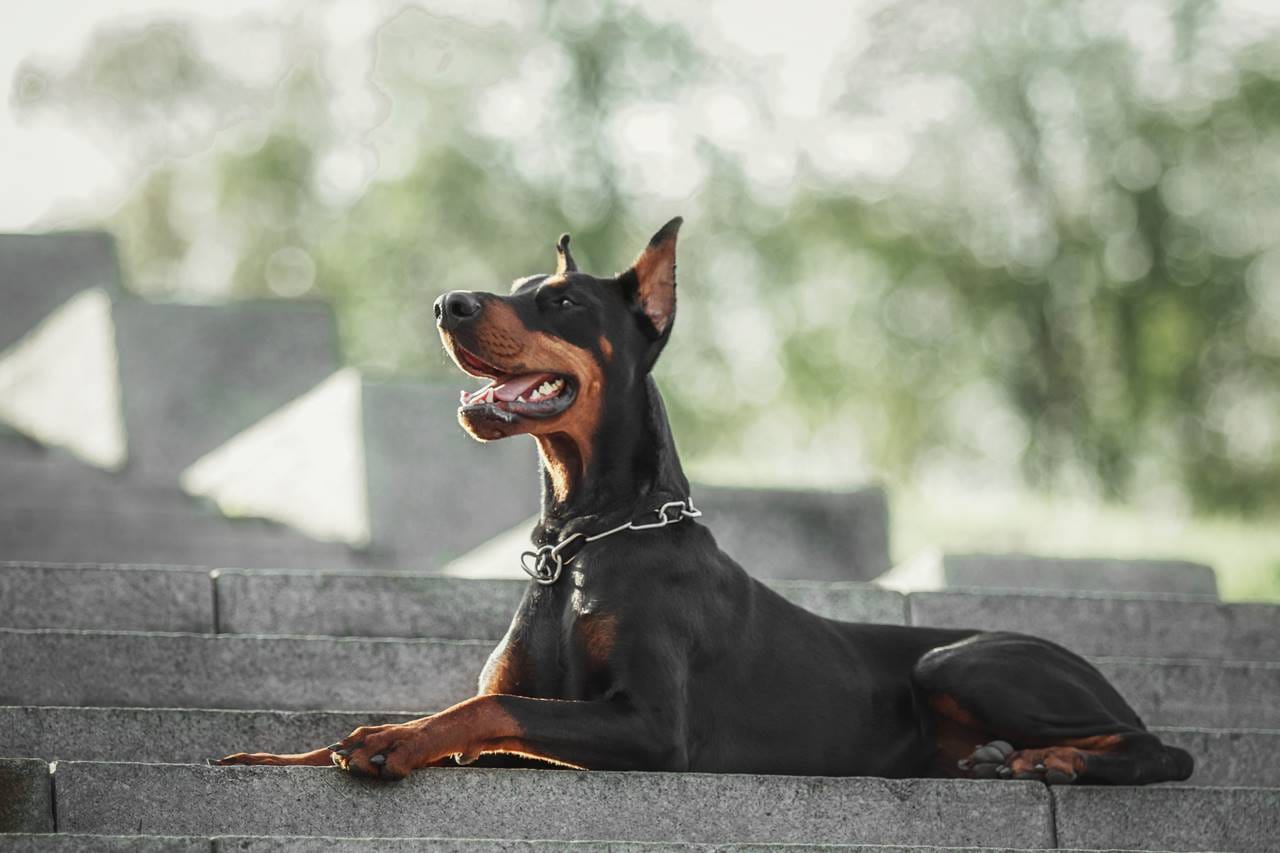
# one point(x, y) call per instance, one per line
point(456, 305)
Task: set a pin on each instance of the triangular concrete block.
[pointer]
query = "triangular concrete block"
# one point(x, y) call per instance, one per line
point(302, 465)
point(60, 384)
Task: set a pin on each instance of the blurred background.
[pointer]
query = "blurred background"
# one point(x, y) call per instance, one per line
point(1018, 262)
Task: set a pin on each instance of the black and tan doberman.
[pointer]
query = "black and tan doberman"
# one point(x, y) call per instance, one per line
point(640, 645)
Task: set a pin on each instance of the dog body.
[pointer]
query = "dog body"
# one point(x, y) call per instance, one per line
point(640, 645)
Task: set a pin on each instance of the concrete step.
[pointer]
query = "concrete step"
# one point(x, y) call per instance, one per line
point(363, 603)
point(47, 667)
point(77, 843)
point(802, 534)
point(40, 272)
point(90, 597)
point(1220, 694)
point(434, 493)
point(1111, 624)
point(400, 605)
point(1224, 757)
point(51, 667)
point(195, 375)
point(549, 804)
point(1168, 818)
point(183, 534)
point(1056, 574)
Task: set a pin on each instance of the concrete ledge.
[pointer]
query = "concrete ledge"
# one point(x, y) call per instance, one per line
point(171, 735)
point(82, 843)
point(1237, 819)
point(197, 671)
point(1245, 758)
point(26, 798)
point(90, 668)
point(1058, 574)
point(471, 803)
point(1224, 757)
point(1116, 624)
point(806, 534)
point(75, 843)
point(1201, 693)
point(404, 605)
point(128, 598)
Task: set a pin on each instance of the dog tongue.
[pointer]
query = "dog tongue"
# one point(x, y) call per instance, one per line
point(513, 388)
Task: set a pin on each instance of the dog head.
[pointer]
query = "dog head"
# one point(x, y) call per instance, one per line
point(558, 347)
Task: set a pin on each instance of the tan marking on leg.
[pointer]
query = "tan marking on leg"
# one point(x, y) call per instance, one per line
point(606, 348)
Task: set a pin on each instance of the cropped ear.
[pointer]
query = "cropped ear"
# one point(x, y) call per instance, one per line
point(651, 281)
point(564, 258)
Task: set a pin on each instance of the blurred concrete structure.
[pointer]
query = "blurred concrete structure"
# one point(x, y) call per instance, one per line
point(243, 443)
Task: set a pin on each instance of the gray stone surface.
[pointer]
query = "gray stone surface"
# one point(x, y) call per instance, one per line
point(123, 530)
point(1244, 758)
point(472, 803)
point(170, 735)
point(1218, 694)
point(76, 843)
point(40, 272)
point(848, 602)
point(810, 535)
point(1113, 624)
point(26, 799)
point(1165, 818)
point(131, 598)
point(409, 605)
point(322, 844)
point(1025, 571)
point(364, 605)
point(434, 492)
point(1224, 757)
point(40, 667)
point(192, 376)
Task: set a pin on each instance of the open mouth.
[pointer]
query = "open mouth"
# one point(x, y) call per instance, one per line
point(539, 394)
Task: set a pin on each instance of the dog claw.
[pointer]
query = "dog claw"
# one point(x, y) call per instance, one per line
point(378, 759)
point(963, 764)
point(1058, 777)
point(345, 753)
point(1004, 771)
point(334, 747)
point(986, 770)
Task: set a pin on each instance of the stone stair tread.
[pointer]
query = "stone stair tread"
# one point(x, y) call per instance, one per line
point(95, 597)
point(188, 799)
point(76, 843)
point(1092, 623)
point(155, 669)
point(407, 604)
point(1224, 757)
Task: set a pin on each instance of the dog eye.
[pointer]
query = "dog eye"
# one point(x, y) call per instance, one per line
point(564, 302)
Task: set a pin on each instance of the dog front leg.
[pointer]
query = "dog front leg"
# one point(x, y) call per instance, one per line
point(582, 734)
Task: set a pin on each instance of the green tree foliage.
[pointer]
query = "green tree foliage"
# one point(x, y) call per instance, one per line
point(1030, 240)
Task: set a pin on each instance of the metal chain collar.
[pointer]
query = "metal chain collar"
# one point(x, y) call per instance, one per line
point(548, 562)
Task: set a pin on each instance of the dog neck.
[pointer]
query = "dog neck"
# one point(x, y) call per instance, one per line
point(632, 467)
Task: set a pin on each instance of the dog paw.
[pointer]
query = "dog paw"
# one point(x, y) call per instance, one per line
point(379, 752)
point(999, 760)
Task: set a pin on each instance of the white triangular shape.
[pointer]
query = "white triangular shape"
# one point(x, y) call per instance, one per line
point(302, 465)
point(59, 384)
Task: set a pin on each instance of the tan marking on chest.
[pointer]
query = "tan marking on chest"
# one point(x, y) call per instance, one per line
point(504, 669)
point(597, 634)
